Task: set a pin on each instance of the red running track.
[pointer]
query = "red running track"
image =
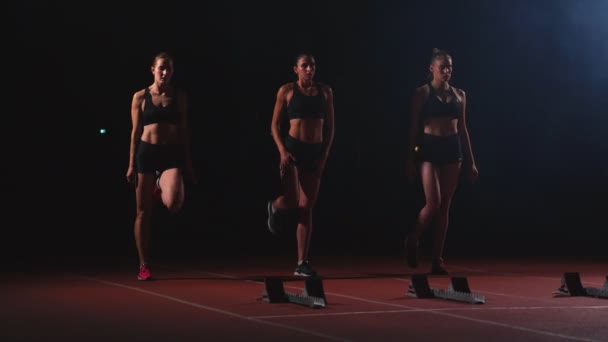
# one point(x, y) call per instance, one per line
point(367, 301)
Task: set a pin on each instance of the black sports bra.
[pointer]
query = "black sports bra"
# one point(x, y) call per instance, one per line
point(435, 108)
point(157, 114)
point(302, 106)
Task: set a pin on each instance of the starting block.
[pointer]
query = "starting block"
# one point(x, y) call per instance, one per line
point(458, 290)
point(572, 286)
point(313, 295)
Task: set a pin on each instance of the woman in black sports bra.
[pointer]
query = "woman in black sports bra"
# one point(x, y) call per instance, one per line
point(159, 155)
point(309, 108)
point(438, 109)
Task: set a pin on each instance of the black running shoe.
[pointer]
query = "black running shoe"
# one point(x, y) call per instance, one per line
point(438, 268)
point(272, 224)
point(304, 270)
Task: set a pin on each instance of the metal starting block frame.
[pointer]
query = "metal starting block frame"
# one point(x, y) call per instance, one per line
point(573, 286)
point(313, 295)
point(458, 290)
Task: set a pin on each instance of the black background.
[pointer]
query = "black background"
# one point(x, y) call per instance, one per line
point(534, 72)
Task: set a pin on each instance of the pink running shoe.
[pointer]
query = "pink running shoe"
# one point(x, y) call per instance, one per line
point(144, 272)
point(157, 191)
